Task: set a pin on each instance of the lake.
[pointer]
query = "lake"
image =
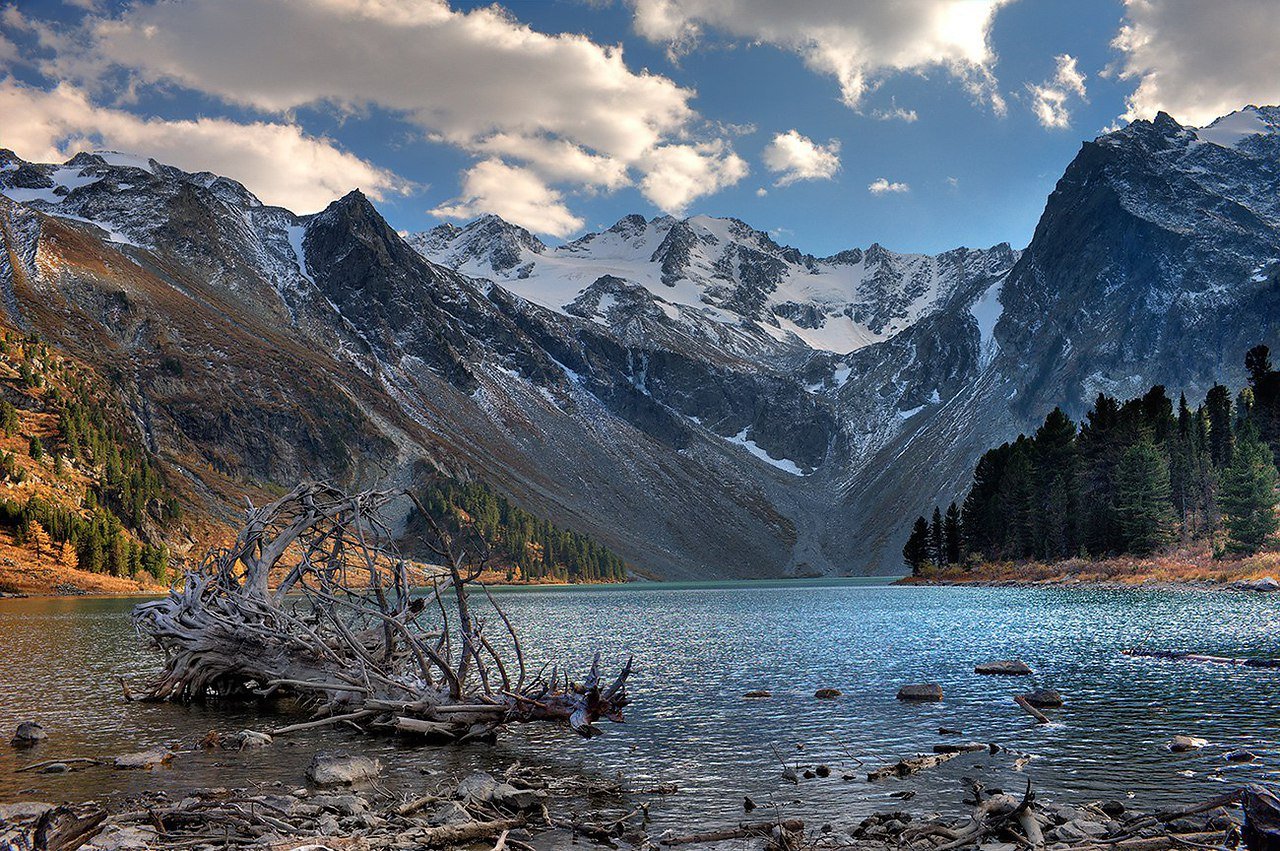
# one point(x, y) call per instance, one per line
point(698, 648)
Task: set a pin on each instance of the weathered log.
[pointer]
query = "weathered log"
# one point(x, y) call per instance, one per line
point(1177, 655)
point(907, 767)
point(452, 834)
point(1261, 819)
point(313, 600)
point(744, 831)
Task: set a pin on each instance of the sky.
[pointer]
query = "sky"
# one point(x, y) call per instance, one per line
point(919, 124)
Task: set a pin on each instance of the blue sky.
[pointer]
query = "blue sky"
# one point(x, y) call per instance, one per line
point(445, 111)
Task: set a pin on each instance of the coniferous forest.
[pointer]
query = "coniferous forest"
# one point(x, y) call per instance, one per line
point(1134, 477)
point(525, 547)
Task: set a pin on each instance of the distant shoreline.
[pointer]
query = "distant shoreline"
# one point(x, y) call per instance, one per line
point(1182, 569)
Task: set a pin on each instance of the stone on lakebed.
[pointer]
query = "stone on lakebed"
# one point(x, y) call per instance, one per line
point(1004, 667)
point(920, 691)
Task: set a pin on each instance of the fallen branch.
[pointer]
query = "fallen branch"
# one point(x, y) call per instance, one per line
point(1176, 655)
point(313, 600)
point(1040, 717)
point(745, 831)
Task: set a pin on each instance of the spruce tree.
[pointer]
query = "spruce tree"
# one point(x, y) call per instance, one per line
point(1221, 437)
point(1247, 495)
point(952, 533)
point(1143, 511)
point(916, 551)
point(937, 539)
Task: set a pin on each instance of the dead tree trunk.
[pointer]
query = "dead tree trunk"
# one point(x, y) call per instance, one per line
point(354, 629)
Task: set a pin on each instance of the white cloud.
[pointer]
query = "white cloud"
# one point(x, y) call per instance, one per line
point(858, 42)
point(794, 157)
point(882, 185)
point(1050, 101)
point(1198, 61)
point(895, 113)
point(278, 162)
point(761, 192)
point(516, 194)
point(558, 106)
point(8, 50)
point(676, 175)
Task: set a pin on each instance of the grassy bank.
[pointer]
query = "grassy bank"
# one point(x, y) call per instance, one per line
point(1183, 566)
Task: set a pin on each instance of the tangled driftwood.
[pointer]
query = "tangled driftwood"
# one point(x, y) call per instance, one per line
point(314, 601)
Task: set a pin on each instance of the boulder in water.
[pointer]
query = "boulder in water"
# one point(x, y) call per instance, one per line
point(143, 759)
point(29, 733)
point(1182, 744)
point(1004, 667)
point(1266, 584)
point(827, 693)
point(1044, 698)
point(335, 768)
point(920, 691)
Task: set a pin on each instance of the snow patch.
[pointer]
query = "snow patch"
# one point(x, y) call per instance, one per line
point(1229, 130)
point(786, 465)
point(295, 233)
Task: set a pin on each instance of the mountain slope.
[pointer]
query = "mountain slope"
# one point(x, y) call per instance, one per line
point(701, 399)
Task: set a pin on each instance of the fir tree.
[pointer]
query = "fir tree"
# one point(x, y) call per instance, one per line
point(937, 539)
point(952, 535)
point(1248, 495)
point(916, 551)
point(1221, 437)
point(1143, 511)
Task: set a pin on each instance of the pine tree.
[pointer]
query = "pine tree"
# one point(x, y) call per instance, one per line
point(1143, 511)
point(937, 539)
point(916, 551)
point(1221, 436)
point(953, 535)
point(1055, 471)
point(1247, 495)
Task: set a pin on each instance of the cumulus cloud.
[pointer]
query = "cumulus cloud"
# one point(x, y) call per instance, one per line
point(280, 163)
point(558, 106)
point(794, 157)
point(8, 50)
point(678, 174)
point(1051, 100)
point(516, 194)
point(1198, 61)
point(882, 185)
point(895, 113)
point(858, 42)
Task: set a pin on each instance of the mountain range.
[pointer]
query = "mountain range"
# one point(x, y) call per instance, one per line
point(702, 399)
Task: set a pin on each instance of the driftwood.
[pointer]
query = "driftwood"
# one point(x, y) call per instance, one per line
point(1040, 717)
point(744, 831)
point(1177, 655)
point(1261, 819)
point(313, 601)
point(914, 765)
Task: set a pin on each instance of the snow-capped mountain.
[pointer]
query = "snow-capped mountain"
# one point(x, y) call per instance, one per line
point(704, 400)
point(722, 270)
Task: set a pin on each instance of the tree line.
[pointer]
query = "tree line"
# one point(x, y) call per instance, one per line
point(106, 531)
point(525, 546)
point(1130, 479)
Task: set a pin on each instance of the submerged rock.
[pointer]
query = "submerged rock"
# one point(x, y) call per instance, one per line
point(1240, 756)
point(28, 734)
point(143, 759)
point(1182, 744)
point(1044, 698)
point(758, 693)
point(336, 768)
point(1267, 585)
point(920, 691)
point(1004, 667)
point(827, 693)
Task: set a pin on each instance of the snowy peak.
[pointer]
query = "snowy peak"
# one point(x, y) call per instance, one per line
point(724, 271)
point(1230, 130)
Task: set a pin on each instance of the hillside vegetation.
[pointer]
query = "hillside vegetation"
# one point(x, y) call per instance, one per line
point(1185, 494)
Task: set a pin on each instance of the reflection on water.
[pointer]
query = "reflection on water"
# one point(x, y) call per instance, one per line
point(698, 648)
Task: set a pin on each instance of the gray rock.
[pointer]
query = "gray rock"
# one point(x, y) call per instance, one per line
point(23, 811)
point(56, 768)
point(336, 768)
point(1080, 830)
point(28, 734)
point(123, 838)
point(1240, 756)
point(1044, 698)
point(920, 691)
point(450, 812)
point(343, 805)
point(508, 796)
point(1182, 744)
point(827, 693)
point(1266, 585)
point(143, 759)
point(477, 787)
point(1004, 667)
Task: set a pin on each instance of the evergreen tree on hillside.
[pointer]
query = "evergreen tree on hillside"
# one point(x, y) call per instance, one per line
point(937, 539)
point(1100, 446)
point(1217, 407)
point(916, 551)
point(1016, 502)
point(1056, 465)
point(1265, 384)
point(1143, 510)
point(981, 521)
point(1247, 495)
point(952, 535)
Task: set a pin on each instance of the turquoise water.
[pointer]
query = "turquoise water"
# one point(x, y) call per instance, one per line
point(699, 647)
